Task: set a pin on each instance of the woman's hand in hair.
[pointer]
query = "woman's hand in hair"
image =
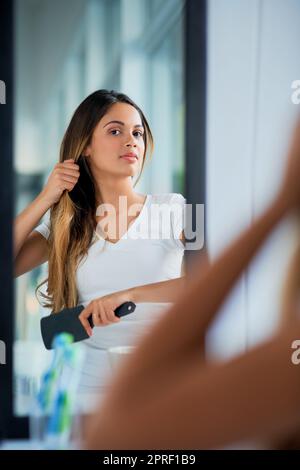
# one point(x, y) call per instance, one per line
point(102, 310)
point(63, 177)
point(290, 190)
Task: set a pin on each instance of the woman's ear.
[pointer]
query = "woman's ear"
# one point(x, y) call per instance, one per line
point(87, 151)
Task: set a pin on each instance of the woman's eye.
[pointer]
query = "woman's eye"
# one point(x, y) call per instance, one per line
point(140, 134)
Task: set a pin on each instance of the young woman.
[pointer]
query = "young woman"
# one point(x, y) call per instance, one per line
point(167, 398)
point(90, 189)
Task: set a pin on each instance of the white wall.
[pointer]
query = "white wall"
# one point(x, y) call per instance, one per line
point(279, 66)
point(252, 61)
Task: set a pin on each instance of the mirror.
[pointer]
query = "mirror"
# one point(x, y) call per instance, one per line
point(63, 54)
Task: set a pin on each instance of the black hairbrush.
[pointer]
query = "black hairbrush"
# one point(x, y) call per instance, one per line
point(67, 321)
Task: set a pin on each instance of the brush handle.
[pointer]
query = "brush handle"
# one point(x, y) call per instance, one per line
point(121, 311)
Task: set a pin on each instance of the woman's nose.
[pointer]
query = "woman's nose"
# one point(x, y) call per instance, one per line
point(131, 142)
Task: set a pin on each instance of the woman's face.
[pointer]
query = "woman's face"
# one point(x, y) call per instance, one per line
point(111, 140)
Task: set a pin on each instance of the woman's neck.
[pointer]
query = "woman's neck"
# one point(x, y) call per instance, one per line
point(110, 192)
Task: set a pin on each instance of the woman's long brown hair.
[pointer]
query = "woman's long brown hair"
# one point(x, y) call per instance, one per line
point(72, 218)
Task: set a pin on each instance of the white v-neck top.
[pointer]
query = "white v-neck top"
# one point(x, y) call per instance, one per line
point(149, 252)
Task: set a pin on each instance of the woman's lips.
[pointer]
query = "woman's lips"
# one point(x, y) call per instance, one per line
point(130, 159)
